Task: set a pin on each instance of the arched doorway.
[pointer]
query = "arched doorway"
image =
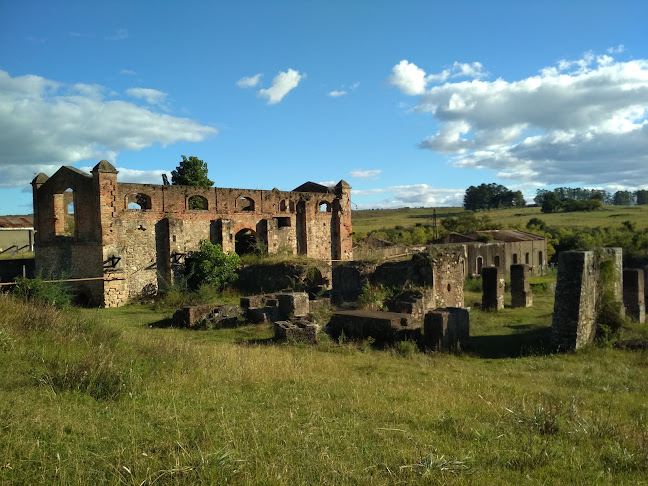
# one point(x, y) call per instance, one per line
point(245, 242)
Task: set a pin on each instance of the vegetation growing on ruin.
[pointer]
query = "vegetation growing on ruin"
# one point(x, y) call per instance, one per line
point(211, 266)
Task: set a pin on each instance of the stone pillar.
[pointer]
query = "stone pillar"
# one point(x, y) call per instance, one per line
point(520, 289)
point(493, 289)
point(633, 294)
point(447, 329)
point(578, 292)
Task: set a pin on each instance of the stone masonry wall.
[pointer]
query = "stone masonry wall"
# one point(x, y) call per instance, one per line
point(578, 292)
point(143, 231)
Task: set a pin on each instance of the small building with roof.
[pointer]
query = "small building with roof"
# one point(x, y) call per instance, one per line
point(17, 235)
point(501, 249)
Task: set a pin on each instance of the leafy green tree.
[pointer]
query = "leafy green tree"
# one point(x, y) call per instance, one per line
point(192, 172)
point(622, 198)
point(211, 266)
point(641, 197)
point(491, 196)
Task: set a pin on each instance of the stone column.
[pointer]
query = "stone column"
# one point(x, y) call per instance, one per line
point(578, 292)
point(520, 289)
point(633, 294)
point(447, 329)
point(493, 289)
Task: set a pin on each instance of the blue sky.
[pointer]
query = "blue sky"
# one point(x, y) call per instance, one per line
point(409, 102)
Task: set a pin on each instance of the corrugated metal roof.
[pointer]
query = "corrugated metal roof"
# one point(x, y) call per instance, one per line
point(511, 235)
point(17, 221)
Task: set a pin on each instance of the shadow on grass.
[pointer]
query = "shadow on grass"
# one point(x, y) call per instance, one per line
point(529, 340)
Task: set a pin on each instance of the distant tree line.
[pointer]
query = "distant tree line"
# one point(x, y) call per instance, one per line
point(492, 196)
point(580, 199)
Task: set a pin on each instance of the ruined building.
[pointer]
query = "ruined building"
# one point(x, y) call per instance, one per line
point(131, 238)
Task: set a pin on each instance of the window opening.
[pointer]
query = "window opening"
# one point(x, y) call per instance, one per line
point(198, 203)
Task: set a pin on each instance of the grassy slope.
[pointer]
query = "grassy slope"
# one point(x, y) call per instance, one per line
point(168, 406)
point(367, 220)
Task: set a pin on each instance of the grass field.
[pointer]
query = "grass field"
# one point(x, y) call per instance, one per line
point(368, 220)
point(107, 396)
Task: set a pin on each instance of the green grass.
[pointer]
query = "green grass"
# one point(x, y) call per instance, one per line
point(105, 396)
point(368, 220)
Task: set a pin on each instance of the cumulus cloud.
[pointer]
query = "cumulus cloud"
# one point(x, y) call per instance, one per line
point(412, 80)
point(415, 195)
point(365, 174)
point(282, 84)
point(249, 81)
point(151, 96)
point(336, 93)
point(581, 121)
point(45, 124)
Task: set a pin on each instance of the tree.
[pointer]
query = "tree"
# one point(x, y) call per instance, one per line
point(491, 196)
point(622, 198)
point(191, 172)
point(642, 197)
point(211, 266)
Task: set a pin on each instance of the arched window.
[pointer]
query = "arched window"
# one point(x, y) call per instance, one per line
point(540, 262)
point(324, 207)
point(480, 264)
point(514, 258)
point(138, 201)
point(245, 242)
point(496, 260)
point(526, 258)
point(198, 203)
point(245, 204)
point(283, 206)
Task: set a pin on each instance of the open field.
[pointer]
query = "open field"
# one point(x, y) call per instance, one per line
point(368, 220)
point(100, 396)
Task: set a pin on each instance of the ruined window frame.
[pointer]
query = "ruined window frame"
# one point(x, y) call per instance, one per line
point(142, 199)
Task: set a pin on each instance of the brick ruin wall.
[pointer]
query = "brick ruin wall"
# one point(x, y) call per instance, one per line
point(140, 233)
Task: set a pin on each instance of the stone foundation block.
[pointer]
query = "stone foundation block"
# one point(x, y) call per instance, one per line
point(293, 304)
point(317, 304)
point(447, 329)
point(300, 331)
point(382, 326)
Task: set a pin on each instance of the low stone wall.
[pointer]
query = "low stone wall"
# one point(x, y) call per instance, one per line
point(201, 315)
point(381, 326)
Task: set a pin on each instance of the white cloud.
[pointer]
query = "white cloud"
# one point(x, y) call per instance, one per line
point(137, 176)
point(616, 50)
point(365, 174)
point(249, 82)
point(128, 72)
point(583, 121)
point(45, 124)
point(282, 84)
point(336, 94)
point(328, 183)
point(412, 80)
point(151, 96)
point(416, 195)
point(119, 34)
point(408, 77)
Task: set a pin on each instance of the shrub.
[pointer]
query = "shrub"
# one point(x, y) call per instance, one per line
point(211, 266)
point(36, 289)
point(373, 297)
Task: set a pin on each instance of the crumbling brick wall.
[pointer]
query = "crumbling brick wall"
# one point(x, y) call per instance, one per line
point(141, 233)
